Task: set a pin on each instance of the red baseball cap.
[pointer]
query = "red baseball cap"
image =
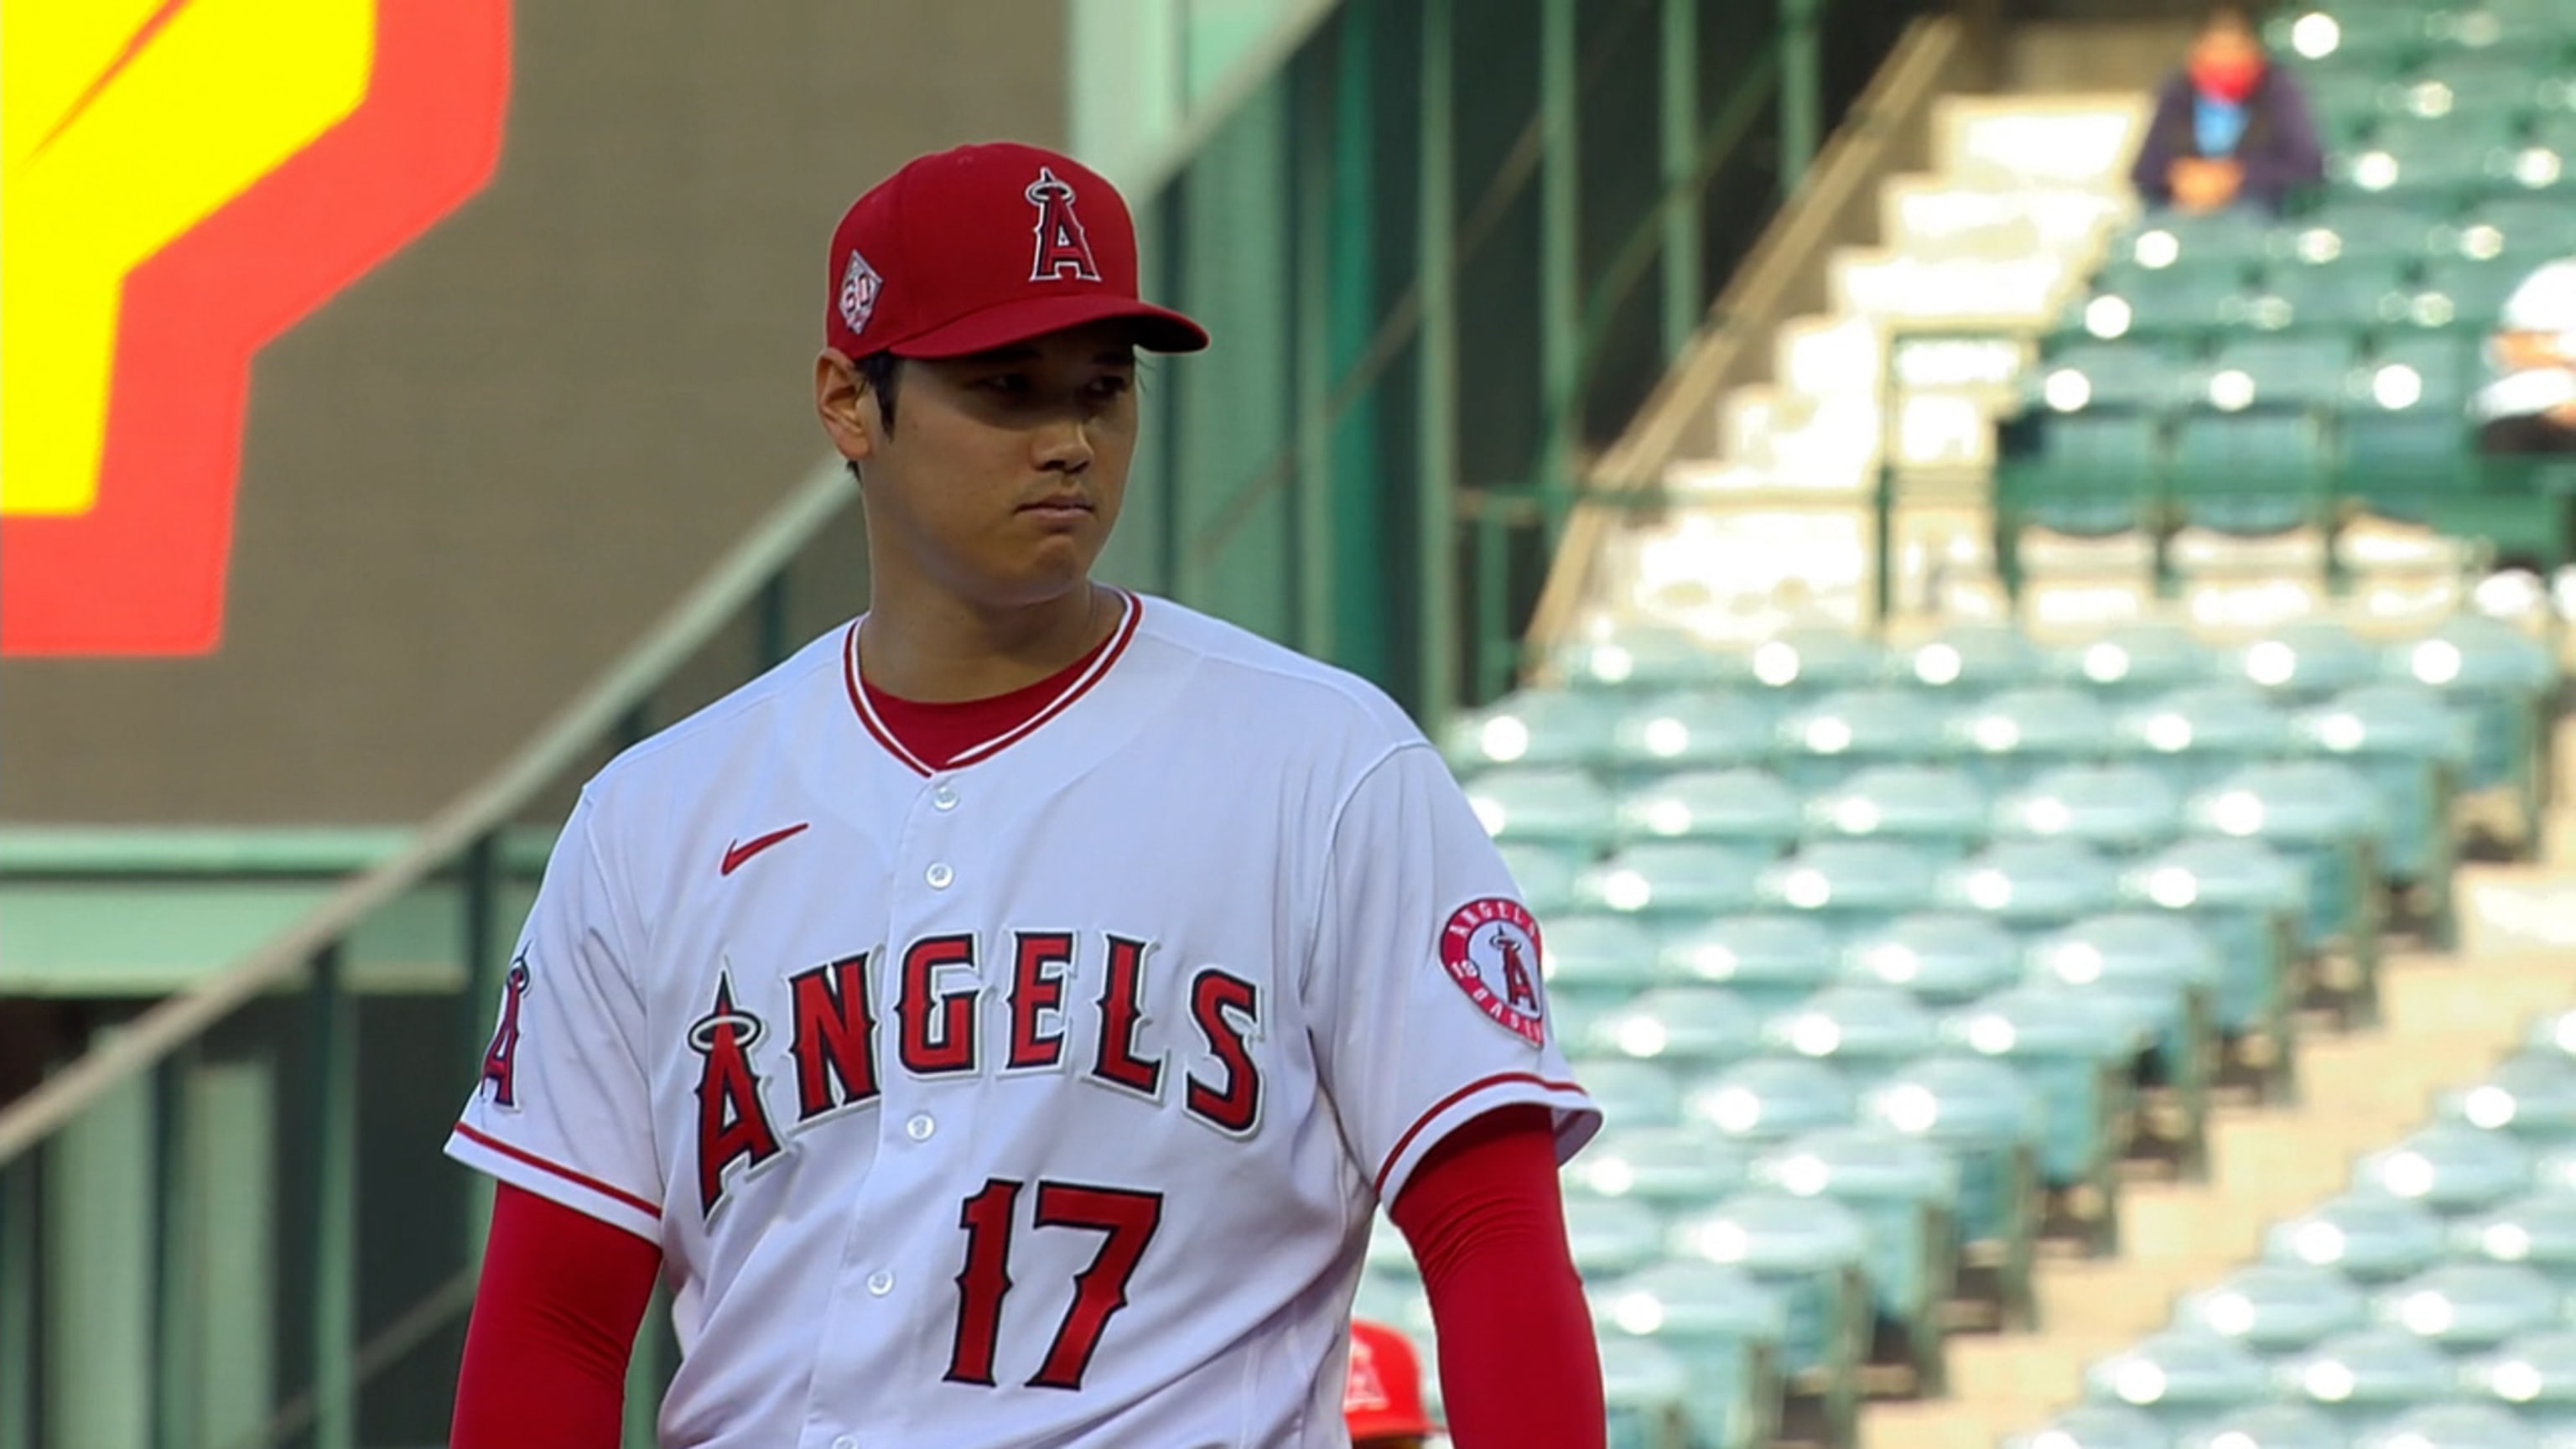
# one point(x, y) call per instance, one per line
point(967, 250)
point(1382, 1398)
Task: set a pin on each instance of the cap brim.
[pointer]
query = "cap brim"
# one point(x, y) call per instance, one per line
point(1157, 329)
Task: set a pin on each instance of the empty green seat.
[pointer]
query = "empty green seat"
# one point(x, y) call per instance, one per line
point(1672, 1169)
point(1544, 873)
point(1549, 806)
point(2537, 1231)
point(1533, 727)
point(1865, 1031)
point(1608, 1236)
point(1745, 807)
point(1668, 880)
point(2465, 292)
point(2136, 661)
point(2368, 1237)
point(1932, 806)
point(2439, 157)
point(2180, 1376)
point(2306, 660)
point(1697, 730)
point(2357, 37)
point(2249, 472)
point(1840, 881)
point(2529, 229)
point(1694, 1027)
point(2008, 738)
point(2030, 885)
point(1938, 958)
point(2452, 1170)
point(2535, 1375)
point(2247, 900)
point(1721, 1326)
point(1770, 961)
point(2169, 301)
point(1631, 1094)
point(2495, 676)
point(2355, 231)
point(2319, 813)
point(2344, 297)
point(1634, 657)
point(1645, 1396)
point(2366, 1377)
point(1836, 734)
point(2187, 239)
point(1985, 1117)
point(2309, 370)
point(1770, 1099)
point(2091, 474)
point(2074, 1050)
point(2529, 1095)
point(2156, 967)
point(2275, 1308)
point(1904, 1192)
point(1807, 660)
point(2267, 1426)
point(2466, 1307)
point(2114, 376)
point(2451, 1426)
point(1969, 659)
point(2095, 1426)
point(1597, 954)
point(2203, 733)
point(1808, 1253)
point(2404, 741)
point(2121, 809)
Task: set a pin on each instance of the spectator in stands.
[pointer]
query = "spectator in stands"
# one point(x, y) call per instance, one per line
point(1382, 1398)
point(2530, 407)
point(2230, 129)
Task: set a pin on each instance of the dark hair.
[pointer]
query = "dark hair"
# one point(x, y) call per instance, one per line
point(879, 373)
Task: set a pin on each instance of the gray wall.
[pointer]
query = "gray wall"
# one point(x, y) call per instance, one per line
point(480, 471)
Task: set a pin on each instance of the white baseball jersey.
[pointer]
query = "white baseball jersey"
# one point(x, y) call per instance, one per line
point(1039, 1100)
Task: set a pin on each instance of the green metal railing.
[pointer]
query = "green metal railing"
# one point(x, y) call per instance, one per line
point(1446, 249)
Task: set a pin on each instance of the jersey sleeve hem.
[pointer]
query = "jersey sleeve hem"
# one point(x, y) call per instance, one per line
point(582, 1193)
point(1576, 1120)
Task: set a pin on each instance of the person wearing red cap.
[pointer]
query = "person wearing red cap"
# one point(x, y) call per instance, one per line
point(1000, 1023)
point(1382, 1392)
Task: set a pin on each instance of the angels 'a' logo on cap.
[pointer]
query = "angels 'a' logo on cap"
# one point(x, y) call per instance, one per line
point(1064, 253)
point(1491, 949)
point(1364, 1389)
point(859, 287)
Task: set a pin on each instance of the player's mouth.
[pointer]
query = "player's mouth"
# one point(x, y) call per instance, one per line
point(1060, 510)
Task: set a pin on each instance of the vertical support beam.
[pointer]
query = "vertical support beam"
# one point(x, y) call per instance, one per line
point(1497, 650)
point(99, 1265)
point(1436, 471)
point(1683, 264)
point(1801, 89)
point(333, 1094)
point(232, 1163)
point(18, 1301)
point(178, 1281)
point(1362, 591)
point(1560, 263)
point(1310, 148)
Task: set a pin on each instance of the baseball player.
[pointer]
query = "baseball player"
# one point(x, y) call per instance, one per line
point(1382, 1397)
point(998, 1023)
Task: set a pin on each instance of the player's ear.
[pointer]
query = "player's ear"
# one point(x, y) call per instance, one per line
point(848, 409)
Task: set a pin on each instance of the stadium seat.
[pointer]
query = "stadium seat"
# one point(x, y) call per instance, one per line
point(2555, 1032)
point(2247, 900)
point(2125, 377)
point(1803, 661)
point(2010, 737)
point(1631, 1094)
point(1841, 881)
point(2464, 1308)
point(2074, 1052)
point(1609, 1236)
point(1969, 659)
point(1772, 962)
point(1770, 1100)
point(2451, 1169)
point(2495, 676)
point(2308, 370)
point(2369, 1376)
point(1985, 1117)
point(1696, 1028)
point(2095, 1426)
point(2355, 231)
point(2120, 810)
point(1933, 807)
point(2149, 303)
point(2435, 158)
point(2267, 1426)
point(2367, 1236)
point(2530, 1096)
point(2275, 1308)
point(1721, 1326)
point(2200, 734)
point(2160, 971)
point(1671, 1169)
point(2324, 816)
point(2136, 662)
point(2451, 1426)
point(2537, 1232)
point(2305, 661)
point(1533, 728)
point(1810, 1255)
point(1556, 807)
point(1704, 730)
point(1645, 1392)
point(1863, 1031)
point(1545, 875)
point(2191, 241)
point(1592, 962)
point(2403, 740)
point(2338, 300)
point(2347, 103)
point(1749, 808)
point(2534, 1376)
point(2180, 1377)
point(2466, 292)
point(2527, 227)
point(1669, 880)
point(2030, 885)
point(2248, 473)
point(1905, 1193)
point(2365, 38)
point(1941, 959)
point(1636, 657)
point(1838, 734)
point(2090, 475)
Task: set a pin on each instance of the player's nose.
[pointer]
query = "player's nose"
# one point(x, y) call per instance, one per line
point(1064, 445)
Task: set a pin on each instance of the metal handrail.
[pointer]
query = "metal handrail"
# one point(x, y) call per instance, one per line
point(717, 597)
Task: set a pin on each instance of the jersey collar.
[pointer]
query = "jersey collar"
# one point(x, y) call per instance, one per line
point(1133, 611)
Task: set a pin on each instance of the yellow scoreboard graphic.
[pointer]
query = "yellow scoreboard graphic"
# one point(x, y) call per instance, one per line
point(186, 179)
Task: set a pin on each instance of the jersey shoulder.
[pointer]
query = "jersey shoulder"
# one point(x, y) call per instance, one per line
point(1235, 671)
point(744, 720)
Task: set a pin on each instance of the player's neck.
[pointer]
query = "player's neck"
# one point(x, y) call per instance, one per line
point(933, 648)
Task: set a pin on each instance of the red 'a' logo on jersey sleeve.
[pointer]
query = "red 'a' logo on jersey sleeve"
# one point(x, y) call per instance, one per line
point(733, 1125)
point(501, 1058)
point(1064, 253)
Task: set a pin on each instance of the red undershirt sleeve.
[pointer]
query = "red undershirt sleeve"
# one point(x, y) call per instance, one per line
point(1518, 1365)
point(555, 1315)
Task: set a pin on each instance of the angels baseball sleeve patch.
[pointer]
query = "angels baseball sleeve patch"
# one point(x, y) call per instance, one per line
point(1490, 946)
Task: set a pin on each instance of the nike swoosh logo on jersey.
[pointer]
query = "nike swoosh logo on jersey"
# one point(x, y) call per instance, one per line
point(742, 850)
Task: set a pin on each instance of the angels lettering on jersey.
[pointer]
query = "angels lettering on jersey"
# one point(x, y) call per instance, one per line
point(756, 1093)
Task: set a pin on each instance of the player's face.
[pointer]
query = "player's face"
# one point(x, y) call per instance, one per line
point(1004, 471)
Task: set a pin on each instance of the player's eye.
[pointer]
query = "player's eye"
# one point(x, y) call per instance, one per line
point(1112, 385)
point(1005, 384)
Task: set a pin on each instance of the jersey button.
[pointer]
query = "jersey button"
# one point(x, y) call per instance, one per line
point(920, 1127)
point(939, 875)
point(943, 798)
point(880, 1283)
